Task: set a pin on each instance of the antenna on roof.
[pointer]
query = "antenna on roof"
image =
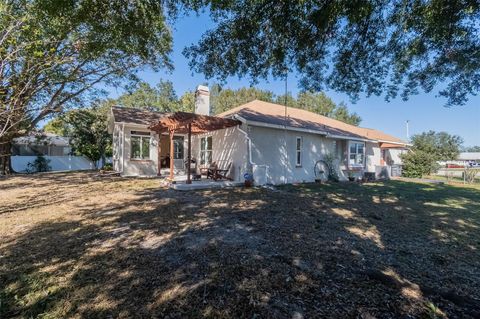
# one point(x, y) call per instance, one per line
point(408, 132)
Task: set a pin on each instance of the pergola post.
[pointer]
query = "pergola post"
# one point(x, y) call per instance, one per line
point(189, 154)
point(159, 158)
point(171, 154)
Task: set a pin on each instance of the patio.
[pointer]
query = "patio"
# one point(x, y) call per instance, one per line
point(180, 182)
point(190, 124)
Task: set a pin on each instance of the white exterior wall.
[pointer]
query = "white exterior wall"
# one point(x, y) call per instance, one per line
point(395, 155)
point(268, 148)
point(373, 155)
point(228, 145)
point(133, 167)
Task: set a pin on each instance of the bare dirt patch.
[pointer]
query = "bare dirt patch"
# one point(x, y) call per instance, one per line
point(72, 245)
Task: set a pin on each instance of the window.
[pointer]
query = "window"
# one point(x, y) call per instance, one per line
point(299, 152)
point(140, 145)
point(178, 147)
point(205, 150)
point(356, 154)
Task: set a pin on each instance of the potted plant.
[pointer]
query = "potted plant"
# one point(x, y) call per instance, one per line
point(248, 179)
point(350, 175)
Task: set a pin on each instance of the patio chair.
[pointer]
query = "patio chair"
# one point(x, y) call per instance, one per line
point(209, 171)
point(222, 173)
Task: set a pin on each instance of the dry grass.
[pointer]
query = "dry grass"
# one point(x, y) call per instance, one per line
point(72, 245)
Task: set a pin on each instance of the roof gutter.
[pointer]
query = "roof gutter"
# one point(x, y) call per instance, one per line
point(280, 127)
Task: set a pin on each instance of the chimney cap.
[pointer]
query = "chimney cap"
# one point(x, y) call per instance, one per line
point(203, 88)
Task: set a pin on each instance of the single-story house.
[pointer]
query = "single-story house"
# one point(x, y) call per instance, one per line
point(56, 150)
point(276, 144)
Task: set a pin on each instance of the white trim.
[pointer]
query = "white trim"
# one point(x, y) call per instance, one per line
point(364, 161)
point(297, 151)
point(326, 134)
point(280, 127)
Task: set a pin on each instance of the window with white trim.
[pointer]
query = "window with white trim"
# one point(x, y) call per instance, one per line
point(139, 145)
point(356, 154)
point(205, 150)
point(299, 146)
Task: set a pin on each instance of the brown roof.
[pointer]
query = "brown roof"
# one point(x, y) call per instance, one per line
point(270, 113)
point(179, 121)
point(390, 145)
point(135, 116)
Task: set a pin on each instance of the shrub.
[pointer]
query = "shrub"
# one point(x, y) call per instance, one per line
point(470, 175)
point(418, 164)
point(107, 167)
point(330, 161)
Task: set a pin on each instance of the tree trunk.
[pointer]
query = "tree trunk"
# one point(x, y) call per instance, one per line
point(5, 159)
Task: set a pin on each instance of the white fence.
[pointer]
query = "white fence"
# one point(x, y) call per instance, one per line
point(57, 163)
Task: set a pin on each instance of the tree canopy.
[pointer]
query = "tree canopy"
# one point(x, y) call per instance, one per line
point(54, 53)
point(428, 148)
point(357, 47)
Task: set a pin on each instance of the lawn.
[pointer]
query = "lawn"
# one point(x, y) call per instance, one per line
point(79, 246)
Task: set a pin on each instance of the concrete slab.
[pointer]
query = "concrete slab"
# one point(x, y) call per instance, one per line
point(204, 184)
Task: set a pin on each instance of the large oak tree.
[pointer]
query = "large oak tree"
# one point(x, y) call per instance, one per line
point(53, 54)
point(370, 47)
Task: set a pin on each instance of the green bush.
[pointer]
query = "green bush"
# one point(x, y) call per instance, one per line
point(107, 167)
point(418, 164)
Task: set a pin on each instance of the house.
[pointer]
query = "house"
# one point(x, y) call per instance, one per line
point(56, 150)
point(277, 144)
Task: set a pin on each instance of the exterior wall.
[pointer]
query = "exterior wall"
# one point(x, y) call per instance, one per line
point(373, 154)
point(228, 146)
point(133, 167)
point(268, 148)
point(394, 154)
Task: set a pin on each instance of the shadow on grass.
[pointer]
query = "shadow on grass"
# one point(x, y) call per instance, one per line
point(340, 250)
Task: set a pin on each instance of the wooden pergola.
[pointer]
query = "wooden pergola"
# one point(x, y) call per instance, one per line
point(188, 123)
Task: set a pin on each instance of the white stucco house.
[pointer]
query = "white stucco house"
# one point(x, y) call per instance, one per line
point(276, 144)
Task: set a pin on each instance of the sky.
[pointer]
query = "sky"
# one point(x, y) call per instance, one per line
point(424, 111)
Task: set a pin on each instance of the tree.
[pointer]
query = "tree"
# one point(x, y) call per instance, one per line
point(161, 98)
point(357, 47)
point(428, 148)
point(443, 146)
point(53, 54)
point(56, 126)
point(88, 133)
point(222, 100)
point(320, 103)
point(472, 149)
point(341, 113)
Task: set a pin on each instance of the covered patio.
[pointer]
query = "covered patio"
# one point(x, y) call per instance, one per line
point(188, 124)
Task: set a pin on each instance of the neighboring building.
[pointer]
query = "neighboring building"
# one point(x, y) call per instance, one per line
point(464, 159)
point(56, 149)
point(276, 144)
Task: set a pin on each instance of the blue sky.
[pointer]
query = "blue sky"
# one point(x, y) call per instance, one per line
point(424, 111)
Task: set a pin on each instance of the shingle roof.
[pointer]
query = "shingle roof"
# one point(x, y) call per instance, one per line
point(270, 113)
point(135, 116)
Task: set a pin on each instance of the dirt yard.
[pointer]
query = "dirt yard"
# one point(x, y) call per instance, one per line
point(73, 245)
